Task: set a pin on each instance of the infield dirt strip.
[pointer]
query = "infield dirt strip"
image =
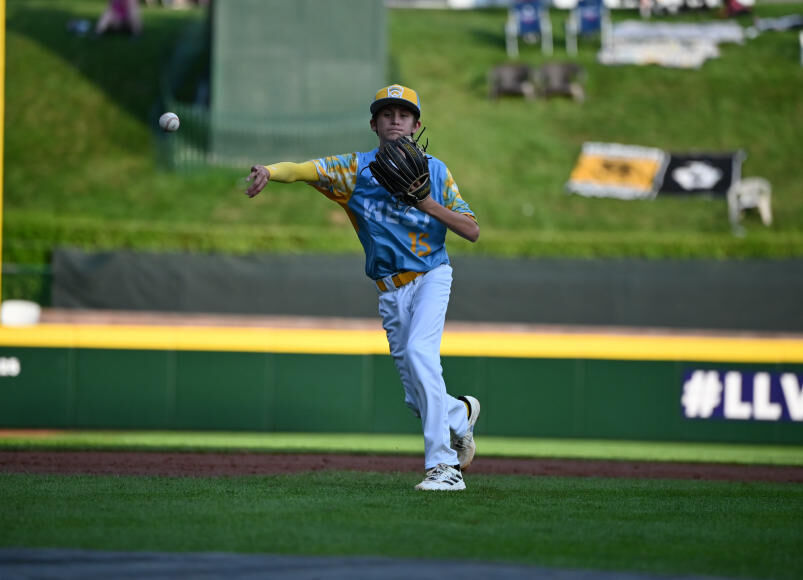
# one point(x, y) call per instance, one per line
point(185, 464)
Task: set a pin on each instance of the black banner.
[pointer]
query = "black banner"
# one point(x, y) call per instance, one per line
point(702, 173)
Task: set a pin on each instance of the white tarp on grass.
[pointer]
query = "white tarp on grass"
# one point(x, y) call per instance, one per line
point(670, 44)
point(716, 32)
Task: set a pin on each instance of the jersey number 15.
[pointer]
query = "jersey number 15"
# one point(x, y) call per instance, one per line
point(417, 244)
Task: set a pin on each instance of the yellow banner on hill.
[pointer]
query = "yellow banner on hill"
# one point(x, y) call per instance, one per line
point(620, 171)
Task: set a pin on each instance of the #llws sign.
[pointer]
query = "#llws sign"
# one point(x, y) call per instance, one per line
point(742, 396)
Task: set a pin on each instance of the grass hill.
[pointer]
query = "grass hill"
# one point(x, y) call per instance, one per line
point(82, 169)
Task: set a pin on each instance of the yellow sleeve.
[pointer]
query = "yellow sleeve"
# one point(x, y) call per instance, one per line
point(288, 172)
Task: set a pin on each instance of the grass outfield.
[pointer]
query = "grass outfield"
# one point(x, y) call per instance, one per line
point(733, 529)
point(401, 444)
point(657, 526)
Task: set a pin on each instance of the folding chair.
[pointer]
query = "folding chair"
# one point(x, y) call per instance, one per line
point(587, 18)
point(528, 19)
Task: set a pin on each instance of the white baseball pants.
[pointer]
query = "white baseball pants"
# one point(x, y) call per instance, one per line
point(413, 317)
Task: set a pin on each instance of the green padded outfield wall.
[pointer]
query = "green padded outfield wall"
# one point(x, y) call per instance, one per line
point(732, 295)
point(673, 388)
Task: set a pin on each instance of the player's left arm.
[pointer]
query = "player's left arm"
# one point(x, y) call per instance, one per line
point(454, 213)
point(464, 225)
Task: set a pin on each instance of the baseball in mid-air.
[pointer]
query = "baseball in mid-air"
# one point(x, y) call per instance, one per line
point(169, 122)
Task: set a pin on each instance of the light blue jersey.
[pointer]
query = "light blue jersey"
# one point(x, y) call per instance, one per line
point(395, 238)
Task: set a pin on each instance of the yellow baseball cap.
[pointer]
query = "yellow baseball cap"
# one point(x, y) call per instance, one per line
point(396, 95)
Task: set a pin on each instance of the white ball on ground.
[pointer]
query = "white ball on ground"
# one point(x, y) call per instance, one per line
point(169, 122)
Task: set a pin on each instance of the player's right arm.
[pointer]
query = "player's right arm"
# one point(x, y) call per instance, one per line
point(284, 172)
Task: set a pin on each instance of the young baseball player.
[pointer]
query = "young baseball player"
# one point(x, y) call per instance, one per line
point(406, 259)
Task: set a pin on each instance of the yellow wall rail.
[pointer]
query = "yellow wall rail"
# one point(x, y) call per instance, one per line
point(585, 345)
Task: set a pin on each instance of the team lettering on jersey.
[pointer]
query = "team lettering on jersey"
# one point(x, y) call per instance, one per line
point(390, 212)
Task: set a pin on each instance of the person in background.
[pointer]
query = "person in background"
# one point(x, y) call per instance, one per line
point(120, 16)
